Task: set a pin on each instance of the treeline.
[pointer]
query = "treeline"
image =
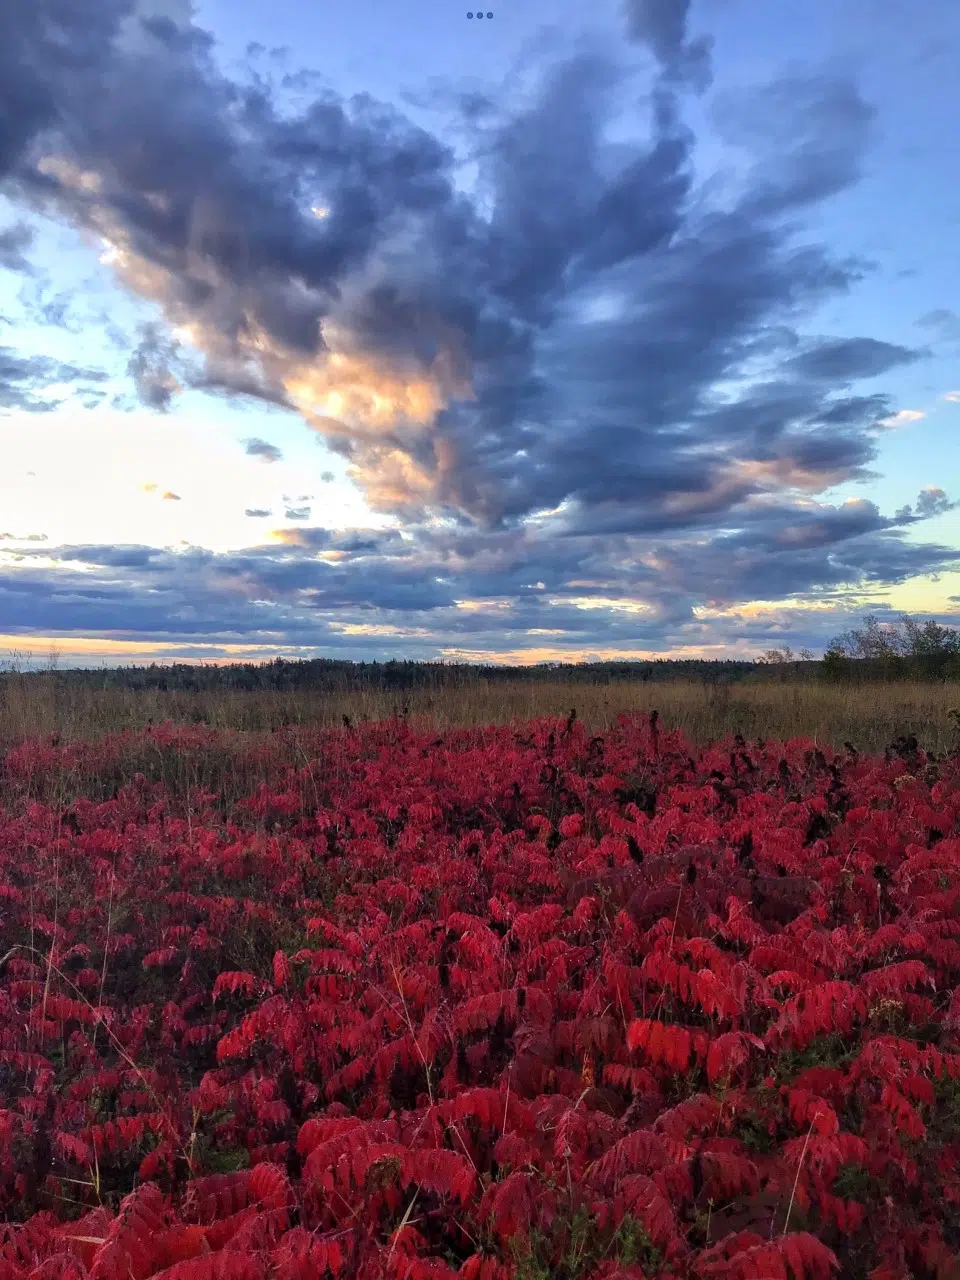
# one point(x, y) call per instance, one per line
point(335, 675)
point(905, 650)
point(902, 650)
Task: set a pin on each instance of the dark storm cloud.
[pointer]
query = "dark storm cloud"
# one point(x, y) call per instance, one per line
point(257, 448)
point(48, 52)
point(596, 376)
point(208, 190)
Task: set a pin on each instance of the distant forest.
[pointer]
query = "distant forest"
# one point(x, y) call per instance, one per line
point(333, 674)
point(876, 651)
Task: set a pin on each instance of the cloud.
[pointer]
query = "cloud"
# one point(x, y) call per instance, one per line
point(662, 26)
point(257, 448)
point(257, 512)
point(933, 501)
point(442, 352)
point(953, 396)
point(375, 591)
point(805, 137)
point(168, 496)
point(599, 372)
point(14, 241)
point(48, 55)
point(842, 360)
point(58, 312)
point(24, 377)
point(944, 323)
point(930, 502)
point(150, 368)
point(902, 417)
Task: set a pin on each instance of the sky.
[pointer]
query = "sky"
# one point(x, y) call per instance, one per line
point(379, 331)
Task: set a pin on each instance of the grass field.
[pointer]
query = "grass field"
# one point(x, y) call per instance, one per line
point(870, 716)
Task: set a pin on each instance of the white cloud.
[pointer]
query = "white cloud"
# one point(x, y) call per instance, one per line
point(902, 418)
point(952, 395)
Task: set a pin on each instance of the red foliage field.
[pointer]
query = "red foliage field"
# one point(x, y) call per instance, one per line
point(512, 1002)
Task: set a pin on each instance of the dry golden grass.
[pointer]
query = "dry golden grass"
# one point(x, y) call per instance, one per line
point(869, 716)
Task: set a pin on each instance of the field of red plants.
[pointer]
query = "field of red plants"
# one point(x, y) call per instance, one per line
point(510, 1002)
